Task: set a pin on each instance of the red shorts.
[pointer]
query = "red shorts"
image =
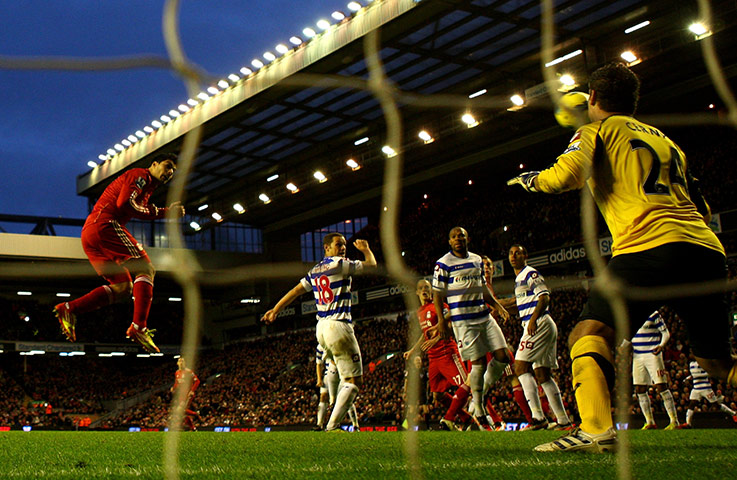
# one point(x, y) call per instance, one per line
point(108, 245)
point(445, 372)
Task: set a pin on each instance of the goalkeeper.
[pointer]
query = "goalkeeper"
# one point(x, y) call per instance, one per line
point(658, 217)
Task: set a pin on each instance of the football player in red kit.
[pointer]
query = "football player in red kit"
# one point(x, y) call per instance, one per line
point(446, 368)
point(116, 255)
point(180, 376)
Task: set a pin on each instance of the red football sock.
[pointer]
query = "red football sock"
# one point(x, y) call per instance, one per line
point(97, 298)
point(446, 399)
point(495, 417)
point(143, 292)
point(519, 397)
point(459, 401)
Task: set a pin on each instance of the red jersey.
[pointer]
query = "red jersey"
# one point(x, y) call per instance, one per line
point(180, 375)
point(126, 198)
point(428, 318)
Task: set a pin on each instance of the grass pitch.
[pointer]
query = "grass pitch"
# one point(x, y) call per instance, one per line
point(656, 455)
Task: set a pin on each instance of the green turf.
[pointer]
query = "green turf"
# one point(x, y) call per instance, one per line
point(656, 455)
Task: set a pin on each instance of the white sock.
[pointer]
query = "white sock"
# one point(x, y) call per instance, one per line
point(644, 400)
point(670, 405)
point(689, 416)
point(353, 415)
point(494, 372)
point(476, 382)
point(343, 402)
point(529, 387)
point(556, 402)
point(321, 409)
point(726, 409)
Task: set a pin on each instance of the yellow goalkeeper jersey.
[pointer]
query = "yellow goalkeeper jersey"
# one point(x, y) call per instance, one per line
point(637, 176)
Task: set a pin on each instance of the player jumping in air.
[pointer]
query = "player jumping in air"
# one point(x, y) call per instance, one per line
point(446, 369)
point(537, 349)
point(459, 278)
point(116, 255)
point(182, 375)
point(657, 216)
point(330, 282)
point(648, 368)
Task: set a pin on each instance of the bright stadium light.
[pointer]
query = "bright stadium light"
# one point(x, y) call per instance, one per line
point(126, 142)
point(203, 96)
point(175, 299)
point(102, 157)
point(183, 108)
point(309, 33)
point(91, 164)
point(64, 295)
point(118, 147)
point(565, 57)
point(202, 207)
point(354, 6)
point(217, 217)
point(338, 15)
point(111, 152)
point(165, 118)
point(292, 187)
point(425, 136)
point(361, 141)
point(238, 208)
point(246, 71)
point(517, 100)
point(272, 178)
point(233, 77)
point(140, 134)
point(192, 102)
point(295, 40)
point(281, 48)
point(629, 57)
point(477, 94)
point(698, 28)
point(320, 176)
point(195, 226)
point(223, 84)
point(173, 113)
point(132, 138)
point(212, 90)
point(323, 24)
point(469, 120)
point(269, 56)
point(352, 164)
point(257, 63)
point(156, 124)
point(148, 129)
point(23, 293)
point(264, 198)
point(567, 80)
point(637, 27)
point(388, 151)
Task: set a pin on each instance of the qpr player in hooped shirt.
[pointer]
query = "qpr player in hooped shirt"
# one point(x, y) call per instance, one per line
point(330, 282)
point(459, 277)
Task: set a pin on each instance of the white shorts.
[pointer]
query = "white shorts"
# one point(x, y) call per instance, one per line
point(707, 394)
point(648, 369)
point(541, 350)
point(340, 344)
point(475, 341)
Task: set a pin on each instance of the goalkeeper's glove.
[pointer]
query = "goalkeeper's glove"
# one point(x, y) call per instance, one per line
point(525, 180)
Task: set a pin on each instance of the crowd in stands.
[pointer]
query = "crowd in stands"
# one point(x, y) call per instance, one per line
point(271, 380)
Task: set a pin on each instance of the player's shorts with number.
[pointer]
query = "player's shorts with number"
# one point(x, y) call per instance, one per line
point(475, 341)
point(340, 344)
point(707, 394)
point(541, 349)
point(648, 369)
point(445, 372)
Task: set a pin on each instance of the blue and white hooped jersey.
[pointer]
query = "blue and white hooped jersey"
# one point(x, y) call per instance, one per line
point(330, 282)
point(649, 335)
point(699, 377)
point(462, 281)
point(528, 286)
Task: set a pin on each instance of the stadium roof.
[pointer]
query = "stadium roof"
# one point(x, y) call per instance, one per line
point(290, 119)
